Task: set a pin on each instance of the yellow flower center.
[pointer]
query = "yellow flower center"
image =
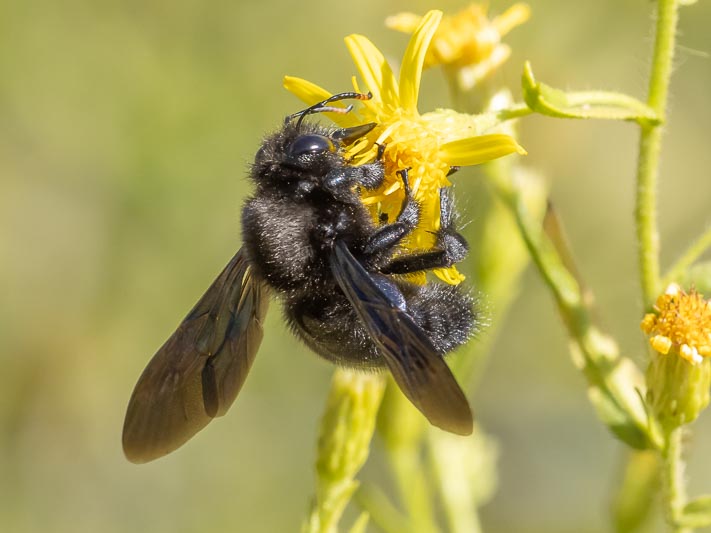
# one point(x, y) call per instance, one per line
point(682, 322)
point(413, 146)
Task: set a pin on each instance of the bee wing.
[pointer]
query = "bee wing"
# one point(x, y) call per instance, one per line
point(197, 374)
point(418, 369)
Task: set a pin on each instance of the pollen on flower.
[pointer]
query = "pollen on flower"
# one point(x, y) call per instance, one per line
point(412, 146)
point(681, 323)
point(661, 343)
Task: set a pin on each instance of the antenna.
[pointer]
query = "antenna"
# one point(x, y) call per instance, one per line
point(323, 107)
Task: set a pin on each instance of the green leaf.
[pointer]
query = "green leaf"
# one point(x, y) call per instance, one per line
point(617, 419)
point(697, 513)
point(615, 385)
point(552, 102)
point(634, 500)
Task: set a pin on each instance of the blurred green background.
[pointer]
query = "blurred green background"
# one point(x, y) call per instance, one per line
point(126, 129)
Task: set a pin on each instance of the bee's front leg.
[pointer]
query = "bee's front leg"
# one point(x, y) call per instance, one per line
point(341, 181)
point(386, 237)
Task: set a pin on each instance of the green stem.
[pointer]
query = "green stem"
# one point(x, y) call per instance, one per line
point(606, 105)
point(461, 516)
point(456, 94)
point(460, 493)
point(637, 490)
point(414, 489)
point(687, 259)
point(516, 110)
point(381, 510)
point(649, 151)
point(673, 479)
point(563, 285)
point(402, 428)
point(607, 98)
point(612, 377)
point(346, 431)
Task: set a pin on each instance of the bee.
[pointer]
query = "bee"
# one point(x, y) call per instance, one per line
point(309, 240)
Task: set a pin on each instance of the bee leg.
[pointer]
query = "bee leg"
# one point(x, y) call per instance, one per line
point(451, 247)
point(371, 175)
point(386, 237)
point(381, 151)
point(448, 314)
point(448, 239)
point(340, 182)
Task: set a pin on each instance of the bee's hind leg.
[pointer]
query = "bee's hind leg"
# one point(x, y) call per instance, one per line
point(446, 313)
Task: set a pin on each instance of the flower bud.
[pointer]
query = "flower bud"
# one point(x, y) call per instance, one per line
point(677, 390)
point(348, 424)
point(679, 373)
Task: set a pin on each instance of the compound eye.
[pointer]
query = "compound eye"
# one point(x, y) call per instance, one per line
point(311, 144)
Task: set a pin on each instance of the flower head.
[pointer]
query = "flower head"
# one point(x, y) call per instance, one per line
point(429, 145)
point(678, 387)
point(469, 39)
point(681, 324)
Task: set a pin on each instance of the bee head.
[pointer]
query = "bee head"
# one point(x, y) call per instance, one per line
point(301, 153)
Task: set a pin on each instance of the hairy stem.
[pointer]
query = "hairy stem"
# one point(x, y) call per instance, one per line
point(673, 479)
point(649, 151)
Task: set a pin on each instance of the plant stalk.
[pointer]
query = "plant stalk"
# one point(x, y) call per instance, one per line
point(650, 149)
point(673, 479)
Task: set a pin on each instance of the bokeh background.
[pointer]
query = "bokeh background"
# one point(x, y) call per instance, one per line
point(126, 129)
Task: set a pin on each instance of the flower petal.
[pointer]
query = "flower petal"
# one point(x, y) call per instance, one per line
point(414, 58)
point(374, 69)
point(404, 22)
point(307, 92)
point(311, 94)
point(515, 15)
point(480, 149)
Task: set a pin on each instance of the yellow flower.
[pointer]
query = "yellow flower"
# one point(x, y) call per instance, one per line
point(678, 387)
point(467, 41)
point(429, 145)
point(680, 324)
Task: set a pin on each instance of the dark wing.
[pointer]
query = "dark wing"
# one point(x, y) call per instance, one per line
point(198, 372)
point(418, 369)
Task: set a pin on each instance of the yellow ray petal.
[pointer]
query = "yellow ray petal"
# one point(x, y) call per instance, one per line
point(311, 94)
point(414, 58)
point(404, 22)
point(514, 16)
point(307, 92)
point(480, 149)
point(374, 70)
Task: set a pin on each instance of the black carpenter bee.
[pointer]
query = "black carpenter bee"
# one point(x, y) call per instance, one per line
point(309, 239)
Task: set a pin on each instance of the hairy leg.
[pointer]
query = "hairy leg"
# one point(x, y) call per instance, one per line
point(451, 247)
